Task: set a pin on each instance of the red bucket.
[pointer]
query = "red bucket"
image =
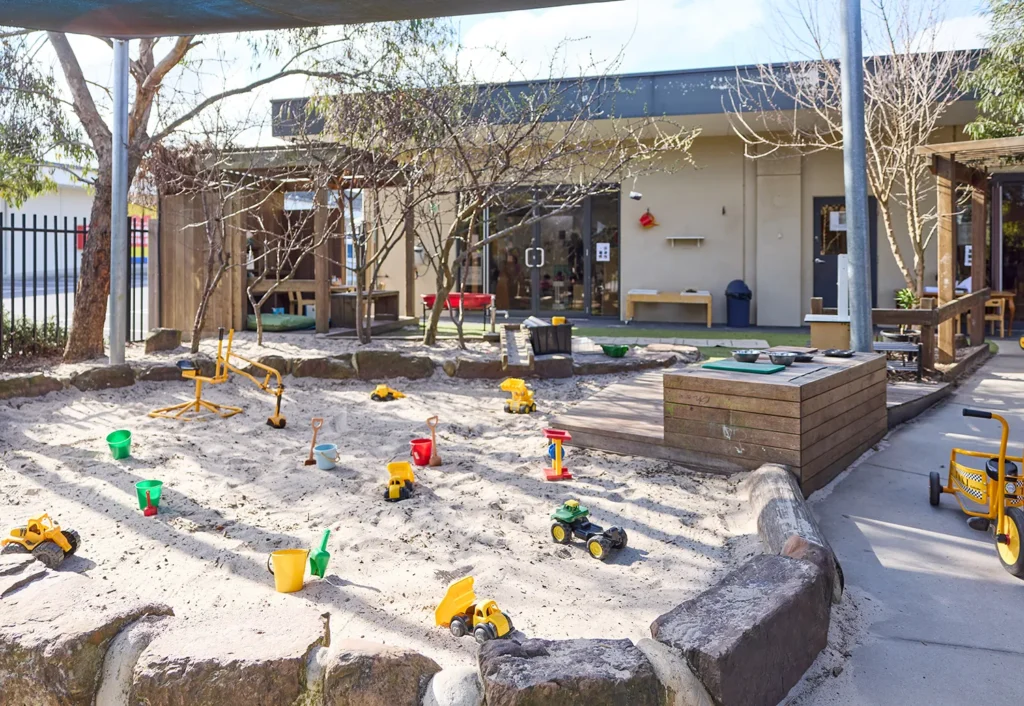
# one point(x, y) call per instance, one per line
point(421, 451)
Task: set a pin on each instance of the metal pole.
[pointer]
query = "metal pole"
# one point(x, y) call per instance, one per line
point(855, 174)
point(119, 205)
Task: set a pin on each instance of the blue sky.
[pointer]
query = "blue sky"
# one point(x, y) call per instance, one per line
point(657, 35)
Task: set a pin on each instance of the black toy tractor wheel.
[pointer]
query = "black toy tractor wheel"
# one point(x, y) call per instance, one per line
point(533, 408)
point(74, 539)
point(458, 627)
point(623, 540)
point(934, 488)
point(599, 547)
point(561, 532)
point(375, 397)
point(13, 549)
point(389, 397)
point(49, 553)
point(483, 633)
point(508, 408)
point(404, 493)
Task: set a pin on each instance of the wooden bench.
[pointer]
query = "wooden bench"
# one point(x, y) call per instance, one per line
point(470, 301)
point(911, 351)
point(635, 297)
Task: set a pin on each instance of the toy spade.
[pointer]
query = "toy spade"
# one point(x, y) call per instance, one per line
point(435, 459)
point(150, 507)
point(318, 559)
point(317, 423)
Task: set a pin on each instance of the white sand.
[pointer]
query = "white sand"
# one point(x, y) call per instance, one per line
point(236, 490)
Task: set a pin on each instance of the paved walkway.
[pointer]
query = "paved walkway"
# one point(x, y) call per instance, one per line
point(698, 342)
point(945, 619)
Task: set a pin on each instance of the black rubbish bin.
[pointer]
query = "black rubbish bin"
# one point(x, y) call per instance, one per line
point(737, 299)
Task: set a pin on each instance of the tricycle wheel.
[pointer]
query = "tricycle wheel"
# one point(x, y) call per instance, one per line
point(934, 488)
point(74, 539)
point(49, 553)
point(561, 532)
point(458, 627)
point(1009, 548)
point(599, 548)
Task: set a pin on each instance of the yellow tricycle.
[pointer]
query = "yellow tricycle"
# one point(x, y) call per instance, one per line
point(996, 494)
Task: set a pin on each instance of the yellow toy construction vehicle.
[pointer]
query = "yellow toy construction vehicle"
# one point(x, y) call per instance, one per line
point(400, 481)
point(462, 613)
point(994, 495)
point(383, 393)
point(522, 397)
point(44, 539)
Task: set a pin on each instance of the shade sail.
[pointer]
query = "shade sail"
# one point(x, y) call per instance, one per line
point(154, 18)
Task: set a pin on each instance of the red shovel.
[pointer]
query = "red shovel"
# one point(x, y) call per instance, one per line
point(150, 507)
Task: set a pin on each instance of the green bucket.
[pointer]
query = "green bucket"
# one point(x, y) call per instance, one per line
point(154, 487)
point(120, 443)
point(614, 351)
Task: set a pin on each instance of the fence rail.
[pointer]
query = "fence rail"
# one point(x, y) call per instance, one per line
point(40, 262)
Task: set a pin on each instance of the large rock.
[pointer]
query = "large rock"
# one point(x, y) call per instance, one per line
point(567, 673)
point(603, 365)
point(476, 369)
point(161, 372)
point(271, 360)
point(685, 354)
point(553, 366)
point(333, 368)
point(386, 365)
point(363, 673)
point(104, 378)
point(162, 339)
point(751, 637)
point(18, 570)
point(261, 661)
point(455, 686)
point(54, 635)
point(28, 385)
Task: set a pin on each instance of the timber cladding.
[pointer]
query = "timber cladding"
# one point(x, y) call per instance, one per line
point(814, 417)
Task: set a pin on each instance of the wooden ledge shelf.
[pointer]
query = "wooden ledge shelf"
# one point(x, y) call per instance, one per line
point(673, 239)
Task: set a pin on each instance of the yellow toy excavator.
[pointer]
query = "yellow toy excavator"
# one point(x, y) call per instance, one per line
point(198, 410)
point(44, 539)
point(522, 397)
point(462, 614)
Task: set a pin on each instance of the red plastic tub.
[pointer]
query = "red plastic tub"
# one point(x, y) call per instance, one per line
point(421, 449)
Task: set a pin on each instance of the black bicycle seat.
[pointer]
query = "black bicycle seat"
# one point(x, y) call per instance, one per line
point(185, 365)
point(992, 468)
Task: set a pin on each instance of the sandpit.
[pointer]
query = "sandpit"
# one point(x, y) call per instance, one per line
point(236, 489)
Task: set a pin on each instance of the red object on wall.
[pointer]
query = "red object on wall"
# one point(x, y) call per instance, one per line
point(80, 233)
point(647, 220)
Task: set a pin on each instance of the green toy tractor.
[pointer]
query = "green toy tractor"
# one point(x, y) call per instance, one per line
point(574, 519)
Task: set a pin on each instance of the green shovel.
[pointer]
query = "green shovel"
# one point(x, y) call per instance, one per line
point(318, 559)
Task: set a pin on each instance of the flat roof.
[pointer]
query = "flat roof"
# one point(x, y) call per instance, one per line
point(987, 154)
point(157, 18)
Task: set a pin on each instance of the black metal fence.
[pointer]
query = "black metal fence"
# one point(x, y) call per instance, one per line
point(40, 261)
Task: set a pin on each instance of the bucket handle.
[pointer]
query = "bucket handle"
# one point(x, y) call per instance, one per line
point(337, 456)
point(269, 567)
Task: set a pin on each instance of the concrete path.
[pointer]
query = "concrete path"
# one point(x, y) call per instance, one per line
point(943, 619)
point(699, 342)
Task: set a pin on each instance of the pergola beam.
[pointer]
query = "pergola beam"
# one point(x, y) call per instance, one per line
point(945, 189)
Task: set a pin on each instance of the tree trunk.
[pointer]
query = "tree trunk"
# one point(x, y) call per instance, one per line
point(204, 305)
point(360, 321)
point(85, 339)
point(890, 234)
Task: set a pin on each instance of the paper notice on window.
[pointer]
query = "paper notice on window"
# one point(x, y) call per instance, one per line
point(603, 252)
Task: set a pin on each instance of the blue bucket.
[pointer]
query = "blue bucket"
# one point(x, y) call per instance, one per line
point(326, 456)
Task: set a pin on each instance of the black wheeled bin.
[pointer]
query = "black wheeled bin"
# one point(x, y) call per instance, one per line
point(737, 300)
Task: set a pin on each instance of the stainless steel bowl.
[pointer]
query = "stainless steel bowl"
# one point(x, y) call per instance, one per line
point(782, 357)
point(746, 356)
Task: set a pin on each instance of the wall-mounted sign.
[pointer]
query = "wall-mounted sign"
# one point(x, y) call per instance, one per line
point(837, 220)
point(968, 255)
point(603, 252)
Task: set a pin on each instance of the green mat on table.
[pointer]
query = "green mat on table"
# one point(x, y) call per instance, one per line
point(734, 366)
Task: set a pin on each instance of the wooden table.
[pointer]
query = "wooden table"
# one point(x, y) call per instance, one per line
point(634, 298)
point(815, 417)
point(384, 307)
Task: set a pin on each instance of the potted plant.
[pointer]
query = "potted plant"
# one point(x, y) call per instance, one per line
point(905, 299)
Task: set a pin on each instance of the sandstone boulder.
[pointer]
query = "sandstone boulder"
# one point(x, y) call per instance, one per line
point(455, 686)
point(54, 635)
point(104, 378)
point(685, 354)
point(567, 673)
point(603, 365)
point(363, 673)
point(478, 369)
point(162, 339)
point(387, 365)
point(261, 661)
point(750, 638)
point(161, 372)
point(28, 385)
point(18, 570)
point(277, 362)
point(553, 366)
point(332, 368)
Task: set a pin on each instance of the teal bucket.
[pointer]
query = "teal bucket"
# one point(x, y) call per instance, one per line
point(154, 487)
point(120, 443)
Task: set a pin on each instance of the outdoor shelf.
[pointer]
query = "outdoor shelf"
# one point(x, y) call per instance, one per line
point(672, 239)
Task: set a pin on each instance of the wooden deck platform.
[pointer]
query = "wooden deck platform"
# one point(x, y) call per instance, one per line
point(629, 418)
point(376, 327)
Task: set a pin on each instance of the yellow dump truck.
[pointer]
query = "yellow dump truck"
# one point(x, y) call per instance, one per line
point(400, 481)
point(522, 397)
point(462, 613)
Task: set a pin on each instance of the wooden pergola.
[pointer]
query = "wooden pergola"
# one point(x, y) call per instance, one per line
point(965, 163)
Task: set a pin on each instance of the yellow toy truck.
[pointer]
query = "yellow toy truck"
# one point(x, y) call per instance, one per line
point(44, 539)
point(522, 397)
point(383, 393)
point(400, 481)
point(462, 614)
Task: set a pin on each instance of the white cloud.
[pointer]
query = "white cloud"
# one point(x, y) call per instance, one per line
point(650, 34)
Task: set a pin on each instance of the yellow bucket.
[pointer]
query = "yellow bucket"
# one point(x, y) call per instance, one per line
point(557, 320)
point(289, 569)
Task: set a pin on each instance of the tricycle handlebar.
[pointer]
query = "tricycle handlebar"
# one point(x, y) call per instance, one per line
point(977, 413)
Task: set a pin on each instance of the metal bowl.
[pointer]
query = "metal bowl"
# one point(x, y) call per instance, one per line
point(746, 356)
point(782, 357)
